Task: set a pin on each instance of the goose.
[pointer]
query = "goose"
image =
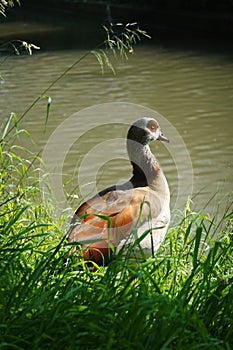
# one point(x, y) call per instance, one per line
point(138, 209)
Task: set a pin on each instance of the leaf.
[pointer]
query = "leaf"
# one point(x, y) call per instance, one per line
point(197, 245)
point(14, 218)
point(49, 100)
point(6, 127)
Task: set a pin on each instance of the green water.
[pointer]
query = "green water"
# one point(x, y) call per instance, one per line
point(191, 87)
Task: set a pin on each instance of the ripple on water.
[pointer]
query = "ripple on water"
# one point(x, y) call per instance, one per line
point(193, 91)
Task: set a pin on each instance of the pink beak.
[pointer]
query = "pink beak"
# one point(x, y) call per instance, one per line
point(163, 138)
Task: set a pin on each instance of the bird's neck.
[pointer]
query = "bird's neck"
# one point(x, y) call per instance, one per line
point(146, 169)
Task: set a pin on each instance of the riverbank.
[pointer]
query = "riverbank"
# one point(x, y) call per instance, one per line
point(51, 299)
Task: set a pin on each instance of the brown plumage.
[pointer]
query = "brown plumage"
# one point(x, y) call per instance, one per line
point(106, 221)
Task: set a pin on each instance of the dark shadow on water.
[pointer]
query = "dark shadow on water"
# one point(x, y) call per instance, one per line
point(59, 30)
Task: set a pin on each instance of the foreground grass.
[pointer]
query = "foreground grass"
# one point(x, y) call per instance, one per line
point(180, 299)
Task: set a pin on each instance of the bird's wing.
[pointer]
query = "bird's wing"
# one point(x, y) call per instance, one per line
point(111, 217)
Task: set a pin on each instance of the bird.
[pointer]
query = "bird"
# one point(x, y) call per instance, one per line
point(135, 211)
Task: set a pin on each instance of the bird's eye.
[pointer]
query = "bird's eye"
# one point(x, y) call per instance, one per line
point(152, 126)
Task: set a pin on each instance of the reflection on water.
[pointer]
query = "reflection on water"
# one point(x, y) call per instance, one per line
point(192, 90)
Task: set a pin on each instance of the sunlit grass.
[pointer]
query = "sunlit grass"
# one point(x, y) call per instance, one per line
point(180, 299)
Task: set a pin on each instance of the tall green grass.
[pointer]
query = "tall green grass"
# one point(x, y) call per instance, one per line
point(180, 299)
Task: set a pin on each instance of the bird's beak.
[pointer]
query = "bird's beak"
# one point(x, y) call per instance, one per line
point(163, 138)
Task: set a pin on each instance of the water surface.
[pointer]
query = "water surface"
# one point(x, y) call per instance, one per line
point(191, 87)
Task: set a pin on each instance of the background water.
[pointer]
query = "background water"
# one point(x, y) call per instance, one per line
point(189, 83)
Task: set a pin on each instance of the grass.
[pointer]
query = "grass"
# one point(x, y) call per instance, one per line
point(180, 299)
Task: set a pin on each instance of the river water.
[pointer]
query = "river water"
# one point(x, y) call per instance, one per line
point(188, 88)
